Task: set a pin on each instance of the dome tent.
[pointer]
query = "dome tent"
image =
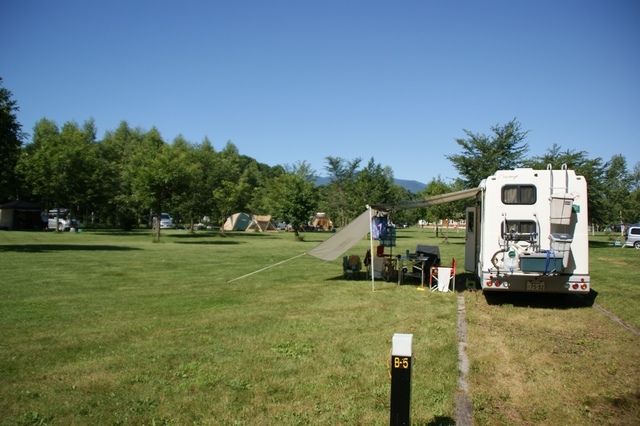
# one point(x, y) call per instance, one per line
point(237, 222)
point(261, 223)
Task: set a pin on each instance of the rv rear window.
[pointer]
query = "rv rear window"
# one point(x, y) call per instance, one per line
point(519, 230)
point(518, 194)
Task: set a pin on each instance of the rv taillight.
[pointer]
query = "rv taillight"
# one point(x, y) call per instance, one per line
point(498, 283)
point(583, 286)
point(489, 283)
point(582, 279)
point(575, 286)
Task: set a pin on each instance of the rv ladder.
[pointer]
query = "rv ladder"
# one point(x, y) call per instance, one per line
point(560, 189)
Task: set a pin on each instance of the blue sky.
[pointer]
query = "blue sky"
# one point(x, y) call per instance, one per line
point(290, 81)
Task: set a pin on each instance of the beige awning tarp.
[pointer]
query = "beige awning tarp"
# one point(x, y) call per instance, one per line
point(344, 239)
point(348, 236)
point(428, 201)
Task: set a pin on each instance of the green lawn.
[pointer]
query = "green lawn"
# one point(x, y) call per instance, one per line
point(111, 328)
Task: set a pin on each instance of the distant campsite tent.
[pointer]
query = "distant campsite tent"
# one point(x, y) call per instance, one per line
point(237, 222)
point(261, 224)
point(322, 221)
point(20, 215)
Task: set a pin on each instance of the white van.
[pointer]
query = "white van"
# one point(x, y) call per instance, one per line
point(632, 236)
point(61, 221)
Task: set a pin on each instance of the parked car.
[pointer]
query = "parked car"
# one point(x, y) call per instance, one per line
point(62, 221)
point(632, 237)
point(166, 221)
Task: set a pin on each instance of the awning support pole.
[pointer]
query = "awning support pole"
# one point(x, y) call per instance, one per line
point(373, 272)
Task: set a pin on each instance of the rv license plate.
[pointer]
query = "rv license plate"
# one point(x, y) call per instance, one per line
point(535, 285)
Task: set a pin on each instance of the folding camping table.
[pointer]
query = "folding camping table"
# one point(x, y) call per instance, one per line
point(418, 264)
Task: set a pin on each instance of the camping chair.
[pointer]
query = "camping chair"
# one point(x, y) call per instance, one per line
point(443, 278)
point(422, 264)
point(382, 265)
point(351, 266)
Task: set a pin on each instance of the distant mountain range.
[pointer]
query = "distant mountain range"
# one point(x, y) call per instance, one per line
point(410, 185)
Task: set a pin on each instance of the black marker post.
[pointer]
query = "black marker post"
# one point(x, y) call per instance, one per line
point(401, 379)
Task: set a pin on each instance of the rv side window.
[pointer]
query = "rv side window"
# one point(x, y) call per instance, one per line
point(518, 194)
point(519, 230)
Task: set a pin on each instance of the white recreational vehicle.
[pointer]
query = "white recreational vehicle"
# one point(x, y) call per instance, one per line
point(528, 232)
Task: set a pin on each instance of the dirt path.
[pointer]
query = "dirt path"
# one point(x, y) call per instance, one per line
point(464, 405)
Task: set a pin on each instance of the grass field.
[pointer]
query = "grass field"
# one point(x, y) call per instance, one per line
point(111, 328)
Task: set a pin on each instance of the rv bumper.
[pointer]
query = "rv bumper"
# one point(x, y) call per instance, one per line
point(537, 283)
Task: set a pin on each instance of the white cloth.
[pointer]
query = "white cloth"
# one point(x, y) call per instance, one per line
point(444, 277)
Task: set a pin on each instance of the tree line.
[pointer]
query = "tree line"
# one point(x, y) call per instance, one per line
point(132, 174)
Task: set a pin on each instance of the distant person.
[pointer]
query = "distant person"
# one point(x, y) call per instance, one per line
point(45, 221)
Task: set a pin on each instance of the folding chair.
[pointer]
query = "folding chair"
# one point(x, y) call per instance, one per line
point(443, 278)
point(351, 266)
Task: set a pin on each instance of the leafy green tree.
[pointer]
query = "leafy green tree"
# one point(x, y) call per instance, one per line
point(197, 201)
point(483, 155)
point(635, 194)
point(230, 195)
point(339, 191)
point(262, 200)
point(78, 163)
point(373, 184)
point(295, 195)
point(11, 137)
point(445, 211)
point(408, 216)
point(157, 173)
point(618, 184)
point(116, 150)
point(59, 165)
point(34, 165)
point(240, 183)
point(592, 169)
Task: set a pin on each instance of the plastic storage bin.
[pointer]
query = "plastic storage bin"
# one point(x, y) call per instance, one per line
point(545, 262)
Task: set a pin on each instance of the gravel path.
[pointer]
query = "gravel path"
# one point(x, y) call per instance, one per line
point(464, 406)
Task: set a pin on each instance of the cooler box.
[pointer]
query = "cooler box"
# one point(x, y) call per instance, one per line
point(561, 246)
point(561, 242)
point(538, 262)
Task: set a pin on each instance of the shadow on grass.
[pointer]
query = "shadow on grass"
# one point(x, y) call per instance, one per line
point(44, 248)
point(239, 235)
point(195, 235)
point(352, 277)
point(228, 234)
point(541, 300)
point(441, 421)
point(603, 244)
point(210, 243)
point(404, 237)
point(119, 232)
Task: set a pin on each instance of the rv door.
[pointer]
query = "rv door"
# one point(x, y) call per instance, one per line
point(471, 243)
